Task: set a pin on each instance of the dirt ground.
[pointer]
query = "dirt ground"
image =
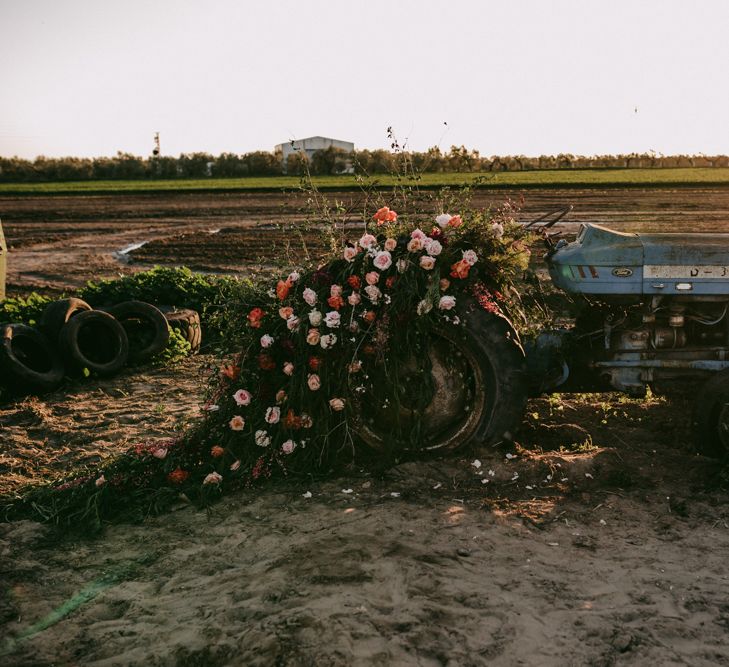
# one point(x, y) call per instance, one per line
point(600, 539)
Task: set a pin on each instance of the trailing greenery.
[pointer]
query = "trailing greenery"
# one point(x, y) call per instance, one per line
point(553, 178)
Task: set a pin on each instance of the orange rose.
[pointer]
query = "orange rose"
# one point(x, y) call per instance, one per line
point(384, 215)
point(335, 302)
point(370, 316)
point(460, 269)
point(266, 362)
point(178, 476)
point(255, 317)
point(230, 372)
point(217, 451)
point(282, 288)
point(291, 421)
point(455, 221)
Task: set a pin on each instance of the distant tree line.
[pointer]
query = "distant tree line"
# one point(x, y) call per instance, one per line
point(329, 161)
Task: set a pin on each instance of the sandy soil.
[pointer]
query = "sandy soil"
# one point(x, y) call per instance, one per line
point(601, 539)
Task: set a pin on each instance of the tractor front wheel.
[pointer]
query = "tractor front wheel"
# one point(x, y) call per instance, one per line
point(710, 417)
point(472, 390)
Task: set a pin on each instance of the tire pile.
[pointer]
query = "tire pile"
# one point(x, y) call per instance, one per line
point(73, 339)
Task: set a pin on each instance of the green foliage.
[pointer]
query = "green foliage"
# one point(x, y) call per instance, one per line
point(212, 296)
point(543, 178)
point(178, 347)
point(23, 310)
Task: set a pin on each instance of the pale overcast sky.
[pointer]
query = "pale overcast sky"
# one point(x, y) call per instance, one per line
point(93, 77)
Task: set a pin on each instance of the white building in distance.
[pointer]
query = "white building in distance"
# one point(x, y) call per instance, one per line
point(310, 145)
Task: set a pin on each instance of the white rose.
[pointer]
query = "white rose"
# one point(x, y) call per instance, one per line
point(498, 229)
point(373, 292)
point(315, 318)
point(262, 439)
point(402, 265)
point(294, 276)
point(424, 307)
point(443, 219)
point(292, 323)
point(332, 319)
point(327, 341)
point(433, 247)
point(213, 478)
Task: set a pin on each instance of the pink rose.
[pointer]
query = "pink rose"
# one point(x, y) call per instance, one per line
point(273, 415)
point(470, 256)
point(309, 296)
point(235, 465)
point(160, 453)
point(314, 382)
point(280, 396)
point(288, 368)
point(383, 260)
point(367, 241)
point(288, 447)
point(335, 290)
point(390, 245)
point(418, 234)
point(336, 404)
point(447, 302)
point(213, 478)
point(100, 481)
point(313, 337)
point(242, 397)
point(266, 340)
point(350, 253)
point(354, 298)
point(372, 278)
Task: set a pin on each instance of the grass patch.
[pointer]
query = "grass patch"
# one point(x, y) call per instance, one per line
point(539, 178)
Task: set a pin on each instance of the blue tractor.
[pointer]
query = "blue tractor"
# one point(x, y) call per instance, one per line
point(654, 315)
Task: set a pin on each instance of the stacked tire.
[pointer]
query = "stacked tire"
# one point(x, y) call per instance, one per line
point(74, 339)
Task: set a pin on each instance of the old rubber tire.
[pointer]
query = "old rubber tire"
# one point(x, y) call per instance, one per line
point(710, 418)
point(96, 341)
point(28, 361)
point(186, 322)
point(145, 326)
point(477, 391)
point(57, 313)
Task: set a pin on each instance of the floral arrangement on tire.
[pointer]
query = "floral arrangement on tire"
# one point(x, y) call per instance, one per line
point(336, 355)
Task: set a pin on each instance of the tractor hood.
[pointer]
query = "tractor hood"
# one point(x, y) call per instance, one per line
point(603, 261)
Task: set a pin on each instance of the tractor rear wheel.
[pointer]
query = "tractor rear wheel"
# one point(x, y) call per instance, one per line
point(710, 417)
point(472, 390)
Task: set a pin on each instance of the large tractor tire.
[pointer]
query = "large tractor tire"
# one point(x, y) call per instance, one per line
point(145, 326)
point(186, 322)
point(28, 361)
point(710, 418)
point(57, 313)
point(471, 391)
point(96, 341)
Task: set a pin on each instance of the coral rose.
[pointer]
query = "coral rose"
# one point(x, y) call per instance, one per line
point(178, 476)
point(217, 451)
point(283, 287)
point(455, 221)
point(285, 312)
point(460, 269)
point(237, 423)
point(255, 317)
point(384, 215)
point(313, 337)
point(427, 262)
point(335, 302)
point(354, 282)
